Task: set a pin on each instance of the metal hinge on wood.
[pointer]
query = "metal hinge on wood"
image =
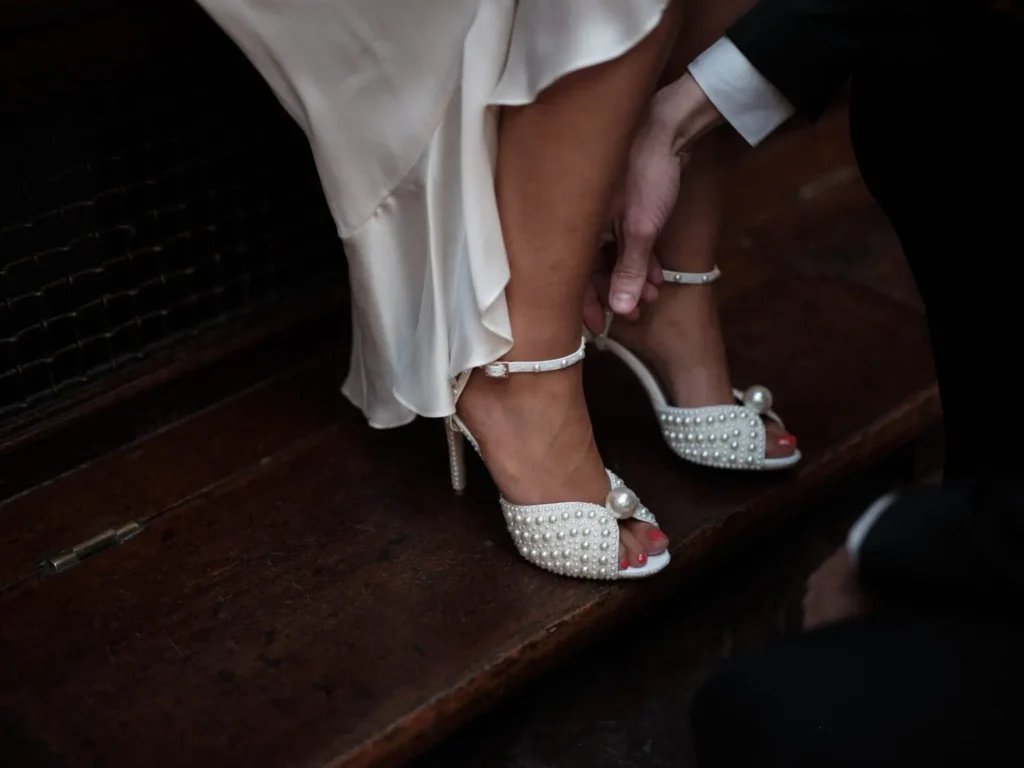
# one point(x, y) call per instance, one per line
point(91, 546)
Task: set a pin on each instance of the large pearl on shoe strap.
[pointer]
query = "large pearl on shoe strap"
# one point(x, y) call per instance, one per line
point(621, 502)
point(758, 398)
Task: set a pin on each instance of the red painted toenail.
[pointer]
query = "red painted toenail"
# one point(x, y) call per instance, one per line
point(623, 563)
point(787, 441)
point(641, 558)
point(656, 535)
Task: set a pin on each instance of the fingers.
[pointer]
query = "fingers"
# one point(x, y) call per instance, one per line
point(833, 592)
point(651, 189)
point(629, 276)
point(630, 273)
point(595, 301)
point(596, 295)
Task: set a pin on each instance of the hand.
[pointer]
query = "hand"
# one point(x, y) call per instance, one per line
point(680, 114)
point(834, 592)
point(596, 295)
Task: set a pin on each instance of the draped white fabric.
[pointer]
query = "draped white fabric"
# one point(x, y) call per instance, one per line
point(399, 101)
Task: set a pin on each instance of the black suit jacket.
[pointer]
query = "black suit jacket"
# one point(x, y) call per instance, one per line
point(809, 48)
point(959, 547)
point(956, 548)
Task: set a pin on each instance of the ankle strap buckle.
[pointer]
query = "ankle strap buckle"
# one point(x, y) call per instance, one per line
point(498, 370)
point(502, 369)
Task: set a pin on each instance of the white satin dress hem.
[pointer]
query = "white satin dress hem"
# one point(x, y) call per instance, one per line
point(400, 103)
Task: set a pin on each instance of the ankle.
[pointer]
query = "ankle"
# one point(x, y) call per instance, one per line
point(494, 407)
point(535, 436)
point(519, 390)
point(548, 345)
point(684, 317)
point(680, 336)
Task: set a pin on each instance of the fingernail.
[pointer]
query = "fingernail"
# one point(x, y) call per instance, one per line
point(621, 302)
point(641, 558)
point(623, 563)
point(787, 441)
point(656, 535)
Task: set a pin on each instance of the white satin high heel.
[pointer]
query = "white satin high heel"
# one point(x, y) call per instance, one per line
point(570, 538)
point(725, 436)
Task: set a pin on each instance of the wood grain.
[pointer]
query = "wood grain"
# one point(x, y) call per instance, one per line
point(335, 605)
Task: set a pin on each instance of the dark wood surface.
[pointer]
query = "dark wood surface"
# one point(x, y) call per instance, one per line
point(638, 718)
point(156, 474)
point(308, 592)
point(172, 385)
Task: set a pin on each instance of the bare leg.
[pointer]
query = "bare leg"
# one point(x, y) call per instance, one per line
point(680, 333)
point(558, 161)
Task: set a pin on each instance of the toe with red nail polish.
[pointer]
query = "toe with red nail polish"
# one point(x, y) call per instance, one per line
point(787, 441)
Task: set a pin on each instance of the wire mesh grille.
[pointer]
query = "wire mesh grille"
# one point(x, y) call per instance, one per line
point(144, 211)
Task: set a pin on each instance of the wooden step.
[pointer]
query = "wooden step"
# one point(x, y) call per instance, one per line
point(171, 385)
point(305, 591)
point(573, 718)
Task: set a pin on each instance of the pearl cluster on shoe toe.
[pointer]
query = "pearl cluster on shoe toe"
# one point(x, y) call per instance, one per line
point(726, 436)
point(575, 538)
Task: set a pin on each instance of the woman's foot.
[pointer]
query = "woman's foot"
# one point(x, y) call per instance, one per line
point(680, 336)
point(536, 439)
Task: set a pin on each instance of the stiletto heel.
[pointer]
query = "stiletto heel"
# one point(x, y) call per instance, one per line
point(724, 436)
point(570, 538)
point(456, 456)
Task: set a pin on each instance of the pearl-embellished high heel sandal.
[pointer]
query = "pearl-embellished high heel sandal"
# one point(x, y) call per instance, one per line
point(570, 538)
point(724, 436)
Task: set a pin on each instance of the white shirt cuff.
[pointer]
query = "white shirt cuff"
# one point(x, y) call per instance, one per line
point(859, 531)
point(751, 104)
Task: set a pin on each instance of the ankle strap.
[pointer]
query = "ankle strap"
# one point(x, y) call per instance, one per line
point(502, 369)
point(691, 278)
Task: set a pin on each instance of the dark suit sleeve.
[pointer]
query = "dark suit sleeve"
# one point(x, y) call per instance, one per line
point(948, 547)
point(809, 48)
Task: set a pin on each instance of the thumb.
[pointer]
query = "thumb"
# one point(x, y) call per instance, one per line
point(630, 272)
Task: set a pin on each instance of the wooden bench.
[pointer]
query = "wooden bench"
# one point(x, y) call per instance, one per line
point(260, 579)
